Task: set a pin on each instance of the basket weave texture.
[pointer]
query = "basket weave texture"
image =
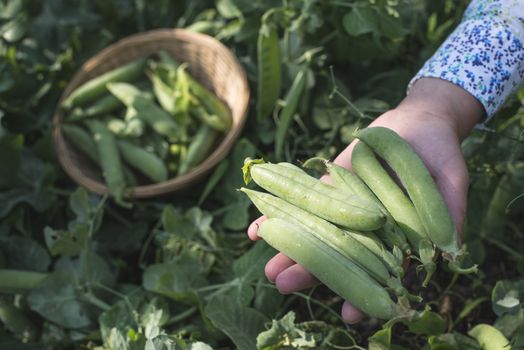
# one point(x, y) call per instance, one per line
point(209, 62)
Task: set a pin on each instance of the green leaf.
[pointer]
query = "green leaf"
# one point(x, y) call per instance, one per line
point(285, 333)
point(56, 299)
point(452, 341)
point(247, 269)
point(361, 20)
point(25, 254)
point(40, 201)
point(199, 346)
point(250, 266)
point(228, 9)
point(10, 155)
point(507, 296)
point(240, 323)
point(83, 206)
point(390, 27)
point(236, 215)
point(428, 323)
point(140, 315)
point(18, 322)
point(469, 307)
point(176, 279)
point(268, 299)
point(66, 242)
point(511, 324)
point(381, 340)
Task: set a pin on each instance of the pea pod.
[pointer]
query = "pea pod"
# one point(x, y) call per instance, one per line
point(208, 99)
point(496, 214)
point(269, 68)
point(110, 160)
point(368, 168)
point(345, 179)
point(375, 245)
point(104, 105)
point(489, 337)
point(211, 120)
point(82, 140)
point(85, 143)
point(333, 269)
point(198, 148)
point(286, 114)
point(143, 161)
point(95, 87)
point(19, 281)
point(315, 196)
point(420, 186)
point(148, 111)
point(345, 244)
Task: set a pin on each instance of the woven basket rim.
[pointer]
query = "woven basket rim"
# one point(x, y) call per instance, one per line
point(176, 183)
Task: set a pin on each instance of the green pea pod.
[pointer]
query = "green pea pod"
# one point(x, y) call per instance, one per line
point(85, 143)
point(95, 87)
point(143, 161)
point(315, 196)
point(375, 245)
point(198, 149)
point(369, 169)
point(345, 179)
point(269, 69)
point(82, 140)
point(110, 160)
point(345, 244)
point(420, 186)
point(19, 281)
point(212, 120)
point(164, 91)
point(286, 115)
point(496, 216)
point(208, 99)
point(104, 105)
point(148, 111)
point(331, 268)
point(489, 337)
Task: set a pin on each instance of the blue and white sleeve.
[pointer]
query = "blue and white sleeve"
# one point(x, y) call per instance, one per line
point(485, 53)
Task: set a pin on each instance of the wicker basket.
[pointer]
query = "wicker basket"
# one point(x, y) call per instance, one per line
point(210, 62)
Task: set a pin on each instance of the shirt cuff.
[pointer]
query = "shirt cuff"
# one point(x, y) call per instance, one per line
point(483, 56)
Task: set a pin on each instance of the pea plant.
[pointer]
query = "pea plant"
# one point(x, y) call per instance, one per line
point(81, 271)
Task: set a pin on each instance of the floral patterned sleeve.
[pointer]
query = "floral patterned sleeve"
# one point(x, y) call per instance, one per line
point(485, 53)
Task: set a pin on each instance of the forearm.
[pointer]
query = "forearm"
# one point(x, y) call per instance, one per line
point(444, 100)
point(485, 53)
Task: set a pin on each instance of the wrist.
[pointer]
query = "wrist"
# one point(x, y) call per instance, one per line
point(447, 101)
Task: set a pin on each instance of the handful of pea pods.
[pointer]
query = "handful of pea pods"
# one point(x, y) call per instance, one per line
point(356, 233)
point(144, 122)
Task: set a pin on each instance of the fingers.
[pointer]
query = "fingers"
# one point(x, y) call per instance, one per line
point(253, 228)
point(351, 314)
point(293, 279)
point(288, 276)
point(344, 157)
point(276, 265)
point(452, 181)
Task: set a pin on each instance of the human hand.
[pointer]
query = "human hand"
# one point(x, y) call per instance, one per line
point(433, 119)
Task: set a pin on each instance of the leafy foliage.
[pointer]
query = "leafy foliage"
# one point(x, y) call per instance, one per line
point(179, 272)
